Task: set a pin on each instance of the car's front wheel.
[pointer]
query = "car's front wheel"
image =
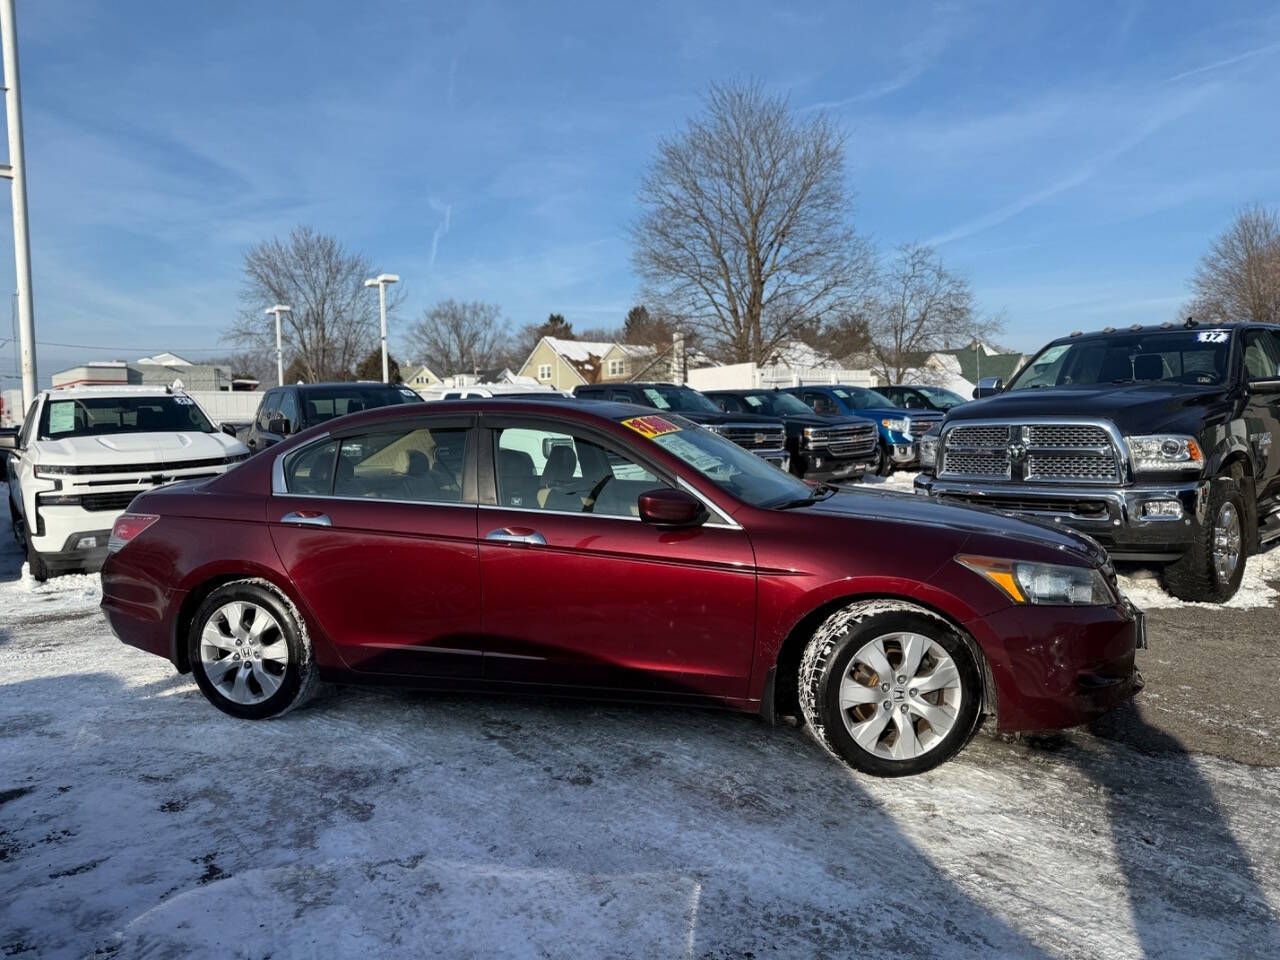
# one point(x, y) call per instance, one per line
point(889, 688)
point(882, 465)
point(249, 651)
point(1211, 570)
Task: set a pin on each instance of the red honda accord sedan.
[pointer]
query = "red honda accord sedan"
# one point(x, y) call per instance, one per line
point(603, 549)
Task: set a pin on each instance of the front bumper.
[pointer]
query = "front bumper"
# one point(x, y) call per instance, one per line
point(1114, 516)
point(819, 463)
point(1057, 667)
point(904, 453)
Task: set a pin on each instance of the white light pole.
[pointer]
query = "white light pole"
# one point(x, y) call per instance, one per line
point(278, 309)
point(16, 170)
point(381, 281)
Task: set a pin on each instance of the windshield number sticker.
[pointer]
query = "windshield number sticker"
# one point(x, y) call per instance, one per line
point(651, 426)
point(1211, 336)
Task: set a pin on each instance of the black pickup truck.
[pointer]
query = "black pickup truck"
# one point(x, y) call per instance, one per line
point(285, 410)
point(820, 448)
point(1156, 441)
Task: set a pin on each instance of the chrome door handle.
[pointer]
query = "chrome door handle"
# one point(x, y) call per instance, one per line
point(517, 535)
point(307, 518)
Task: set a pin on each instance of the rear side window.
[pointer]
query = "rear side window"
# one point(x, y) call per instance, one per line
point(266, 409)
point(422, 465)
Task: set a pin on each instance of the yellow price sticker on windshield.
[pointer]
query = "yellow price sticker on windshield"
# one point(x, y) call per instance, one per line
point(651, 426)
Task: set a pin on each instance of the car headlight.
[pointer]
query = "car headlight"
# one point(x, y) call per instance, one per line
point(714, 428)
point(897, 426)
point(1164, 451)
point(52, 469)
point(929, 448)
point(1043, 583)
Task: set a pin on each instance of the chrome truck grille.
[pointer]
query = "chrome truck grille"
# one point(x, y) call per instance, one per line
point(756, 436)
point(846, 441)
point(1040, 452)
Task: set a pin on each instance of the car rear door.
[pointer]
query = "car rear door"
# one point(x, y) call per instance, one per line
point(578, 591)
point(376, 526)
point(1262, 409)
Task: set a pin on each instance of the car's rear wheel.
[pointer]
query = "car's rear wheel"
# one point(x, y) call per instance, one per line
point(249, 651)
point(889, 688)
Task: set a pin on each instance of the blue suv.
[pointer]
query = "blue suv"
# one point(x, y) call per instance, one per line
point(900, 430)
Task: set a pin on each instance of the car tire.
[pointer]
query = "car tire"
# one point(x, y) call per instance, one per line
point(1199, 575)
point(864, 717)
point(250, 653)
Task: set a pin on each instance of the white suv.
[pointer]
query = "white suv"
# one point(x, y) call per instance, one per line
point(85, 452)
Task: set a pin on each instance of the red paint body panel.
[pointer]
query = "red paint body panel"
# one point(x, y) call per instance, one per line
point(635, 606)
point(414, 593)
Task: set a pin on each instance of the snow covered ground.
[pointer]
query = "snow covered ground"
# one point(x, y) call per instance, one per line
point(135, 820)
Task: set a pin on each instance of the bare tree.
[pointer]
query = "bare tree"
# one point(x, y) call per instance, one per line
point(746, 233)
point(334, 322)
point(919, 306)
point(1239, 278)
point(461, 337)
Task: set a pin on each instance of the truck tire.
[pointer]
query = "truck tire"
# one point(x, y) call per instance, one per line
point(35, 563)
point(1210, 572)
point(889, 688)
point(882, 465)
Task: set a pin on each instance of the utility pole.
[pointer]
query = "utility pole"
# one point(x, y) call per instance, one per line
point(16, 170)
point(381, 281)
point(278, 309)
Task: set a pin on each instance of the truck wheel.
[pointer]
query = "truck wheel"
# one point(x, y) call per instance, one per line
point(889, 688)
point(35, 563)
point(882, 465)
point(1210, 572)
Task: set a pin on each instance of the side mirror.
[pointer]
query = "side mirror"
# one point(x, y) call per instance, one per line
point(1269, 385)
point(278, 425)
point(8, 441)
point(988, 387)
point(666, 507)
point(229, 429)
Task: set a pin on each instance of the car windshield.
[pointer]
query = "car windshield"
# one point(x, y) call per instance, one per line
point(860, 398)
point(724, 463)
point(679, 399)
point(940, 398)
point(322, 405)
point(1195, 356)
point(776, 404)
point(95, 416)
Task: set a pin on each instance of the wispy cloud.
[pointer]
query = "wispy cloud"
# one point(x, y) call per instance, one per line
point(1083, 173)
point(1229, 61)
point(446, 209)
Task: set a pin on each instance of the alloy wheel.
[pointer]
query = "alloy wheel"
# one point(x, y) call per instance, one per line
point(244, 652)
point(900, 695)
point(1226, 542)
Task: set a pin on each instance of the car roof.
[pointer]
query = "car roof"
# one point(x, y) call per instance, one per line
point(1165, 327)
point(111, 390)
point(344, 385)
point(583, 410)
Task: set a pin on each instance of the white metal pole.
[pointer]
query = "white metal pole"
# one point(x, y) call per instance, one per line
point(279, 353)
point(18, 173)
point(382, 311)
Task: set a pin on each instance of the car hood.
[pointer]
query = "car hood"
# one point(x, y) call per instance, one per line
point(723, 418)
point(1133, 407)
point(987, 524)
point(818, 420)
point(138, 448)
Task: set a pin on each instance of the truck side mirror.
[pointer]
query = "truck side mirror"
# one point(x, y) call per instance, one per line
point(988, 387)
point(279, 426)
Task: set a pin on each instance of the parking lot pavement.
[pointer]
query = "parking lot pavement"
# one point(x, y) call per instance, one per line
point(137, 820)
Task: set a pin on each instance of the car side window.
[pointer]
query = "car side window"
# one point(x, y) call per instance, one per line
point(621, 396)
point(420, 465)
point(289, 409)
point(538, 469)
point(820, 402)
point(266, 410)
point(1261, 355)
point(309, 472)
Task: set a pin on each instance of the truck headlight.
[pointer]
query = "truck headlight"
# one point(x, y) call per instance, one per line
point(1164, 451)
point(929, 448)
point(714, 428)
point(897, 426)
point(1043, 583)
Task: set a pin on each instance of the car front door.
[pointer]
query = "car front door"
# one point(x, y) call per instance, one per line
point(577, 590)
point(1262, 408)
point(377, 527)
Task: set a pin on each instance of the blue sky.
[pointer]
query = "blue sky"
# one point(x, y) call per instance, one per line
point(1073, 159)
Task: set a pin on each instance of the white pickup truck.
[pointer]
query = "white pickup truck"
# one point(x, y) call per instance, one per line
point(85, 452)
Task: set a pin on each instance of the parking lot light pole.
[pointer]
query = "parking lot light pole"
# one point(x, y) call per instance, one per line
point(381, 281)
point(16, 170)
point(278, 309)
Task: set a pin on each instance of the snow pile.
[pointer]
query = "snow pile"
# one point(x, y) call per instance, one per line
point(1256, 588)
point(898, 480)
